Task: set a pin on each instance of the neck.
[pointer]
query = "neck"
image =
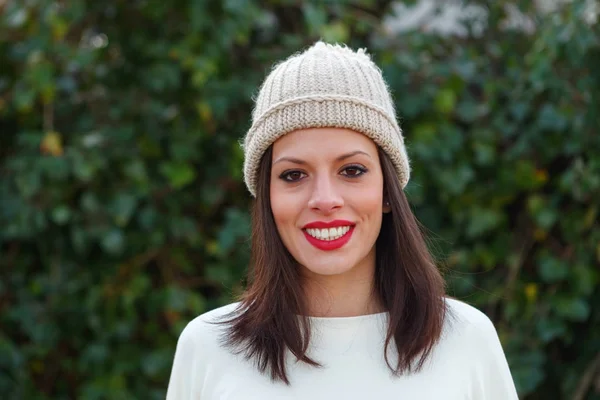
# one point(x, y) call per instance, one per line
point(348, 295)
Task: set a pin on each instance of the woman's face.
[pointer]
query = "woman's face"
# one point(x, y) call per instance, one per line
point(327, 199)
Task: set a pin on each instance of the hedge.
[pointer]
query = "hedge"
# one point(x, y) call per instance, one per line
point(122, 209)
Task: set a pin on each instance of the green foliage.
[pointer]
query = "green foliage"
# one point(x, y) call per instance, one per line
point(122, 211)
point(123, 214)
point(503, 132)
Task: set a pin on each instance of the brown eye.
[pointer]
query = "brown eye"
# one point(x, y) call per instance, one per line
point(292, 176)
point(353, 171)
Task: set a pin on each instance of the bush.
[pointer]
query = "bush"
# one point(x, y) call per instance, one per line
point(503, 131)
point(123, 214)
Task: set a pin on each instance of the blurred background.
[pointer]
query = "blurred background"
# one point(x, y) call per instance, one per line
point(122, 209)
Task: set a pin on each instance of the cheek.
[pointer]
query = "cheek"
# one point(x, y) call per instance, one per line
point(370, 200)
point(372, 207)
point(282, 208)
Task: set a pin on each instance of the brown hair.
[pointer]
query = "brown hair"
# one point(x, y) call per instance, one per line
point(271, 318)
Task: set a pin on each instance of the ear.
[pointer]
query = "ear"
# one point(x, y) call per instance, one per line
point(386, 206)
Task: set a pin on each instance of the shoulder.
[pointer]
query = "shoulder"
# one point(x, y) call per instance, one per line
point(470, 336)
point(204, 329)
point(198, 349)
point(211, 316)
point(470, 326)
point(463, 313)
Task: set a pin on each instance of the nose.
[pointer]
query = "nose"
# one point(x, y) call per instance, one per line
point(324, 196)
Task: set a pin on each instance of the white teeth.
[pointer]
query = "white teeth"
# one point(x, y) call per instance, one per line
point(328, 234)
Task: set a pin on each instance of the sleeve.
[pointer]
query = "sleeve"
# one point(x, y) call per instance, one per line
point(492, 379)
point(186, 378)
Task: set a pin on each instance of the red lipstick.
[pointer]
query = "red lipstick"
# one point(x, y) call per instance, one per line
point(328, 245)
point(330, 224)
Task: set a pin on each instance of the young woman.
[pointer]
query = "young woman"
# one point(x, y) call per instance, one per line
point(344, 300)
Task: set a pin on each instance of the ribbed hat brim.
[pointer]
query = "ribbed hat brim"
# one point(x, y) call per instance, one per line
point(324, 112)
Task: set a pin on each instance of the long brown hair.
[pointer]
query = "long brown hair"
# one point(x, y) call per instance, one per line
point(267, 324)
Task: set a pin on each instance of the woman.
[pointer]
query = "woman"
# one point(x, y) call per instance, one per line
point(344, 300)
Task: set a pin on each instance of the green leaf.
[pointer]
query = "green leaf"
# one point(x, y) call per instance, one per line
point(573, 309)
point(315, 17)
point(549, 329)
point(113, 242)
point(584, 278)
point(24, 99)
point(482, 220)
point(122, 207)
point(552, 269)
point(519, 110)
point(336, 32)
point(550, 118)
point(156, 362)
point(17, 17)
point(61, 214)
point(485, 153)
point(29, 183)
point(469, 110)
point(445, 101)
point(178, 174)
point(237, 225)
point(79, 239)
point(176, 299)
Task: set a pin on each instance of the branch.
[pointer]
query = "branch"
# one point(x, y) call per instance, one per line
point(585, 382)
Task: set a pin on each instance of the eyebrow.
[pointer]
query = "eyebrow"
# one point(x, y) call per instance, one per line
point(302, 162)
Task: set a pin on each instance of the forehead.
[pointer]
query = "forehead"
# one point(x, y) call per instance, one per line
point(322, 142)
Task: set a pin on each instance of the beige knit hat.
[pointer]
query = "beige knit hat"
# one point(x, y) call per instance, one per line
point(325, 86)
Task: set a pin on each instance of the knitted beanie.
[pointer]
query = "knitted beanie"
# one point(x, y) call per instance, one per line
point(325, 86)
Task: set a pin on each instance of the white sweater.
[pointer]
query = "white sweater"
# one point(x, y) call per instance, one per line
point(467, 363)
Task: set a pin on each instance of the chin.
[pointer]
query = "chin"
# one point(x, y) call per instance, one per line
point(326, 270)
point(336, 267)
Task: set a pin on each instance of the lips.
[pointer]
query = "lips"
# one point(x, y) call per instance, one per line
point(330, 224)
point(320, 234)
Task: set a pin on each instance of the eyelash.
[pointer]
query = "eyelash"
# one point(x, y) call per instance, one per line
point(285, 175)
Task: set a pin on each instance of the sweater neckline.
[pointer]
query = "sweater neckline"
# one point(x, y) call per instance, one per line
point(352, 318)
point(345, 322)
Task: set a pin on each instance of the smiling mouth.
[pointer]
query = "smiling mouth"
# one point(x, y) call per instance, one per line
point(329, 238)
point(328, 234)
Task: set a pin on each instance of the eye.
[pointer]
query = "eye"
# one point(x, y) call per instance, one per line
point(354, 171)
point(292, 176)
